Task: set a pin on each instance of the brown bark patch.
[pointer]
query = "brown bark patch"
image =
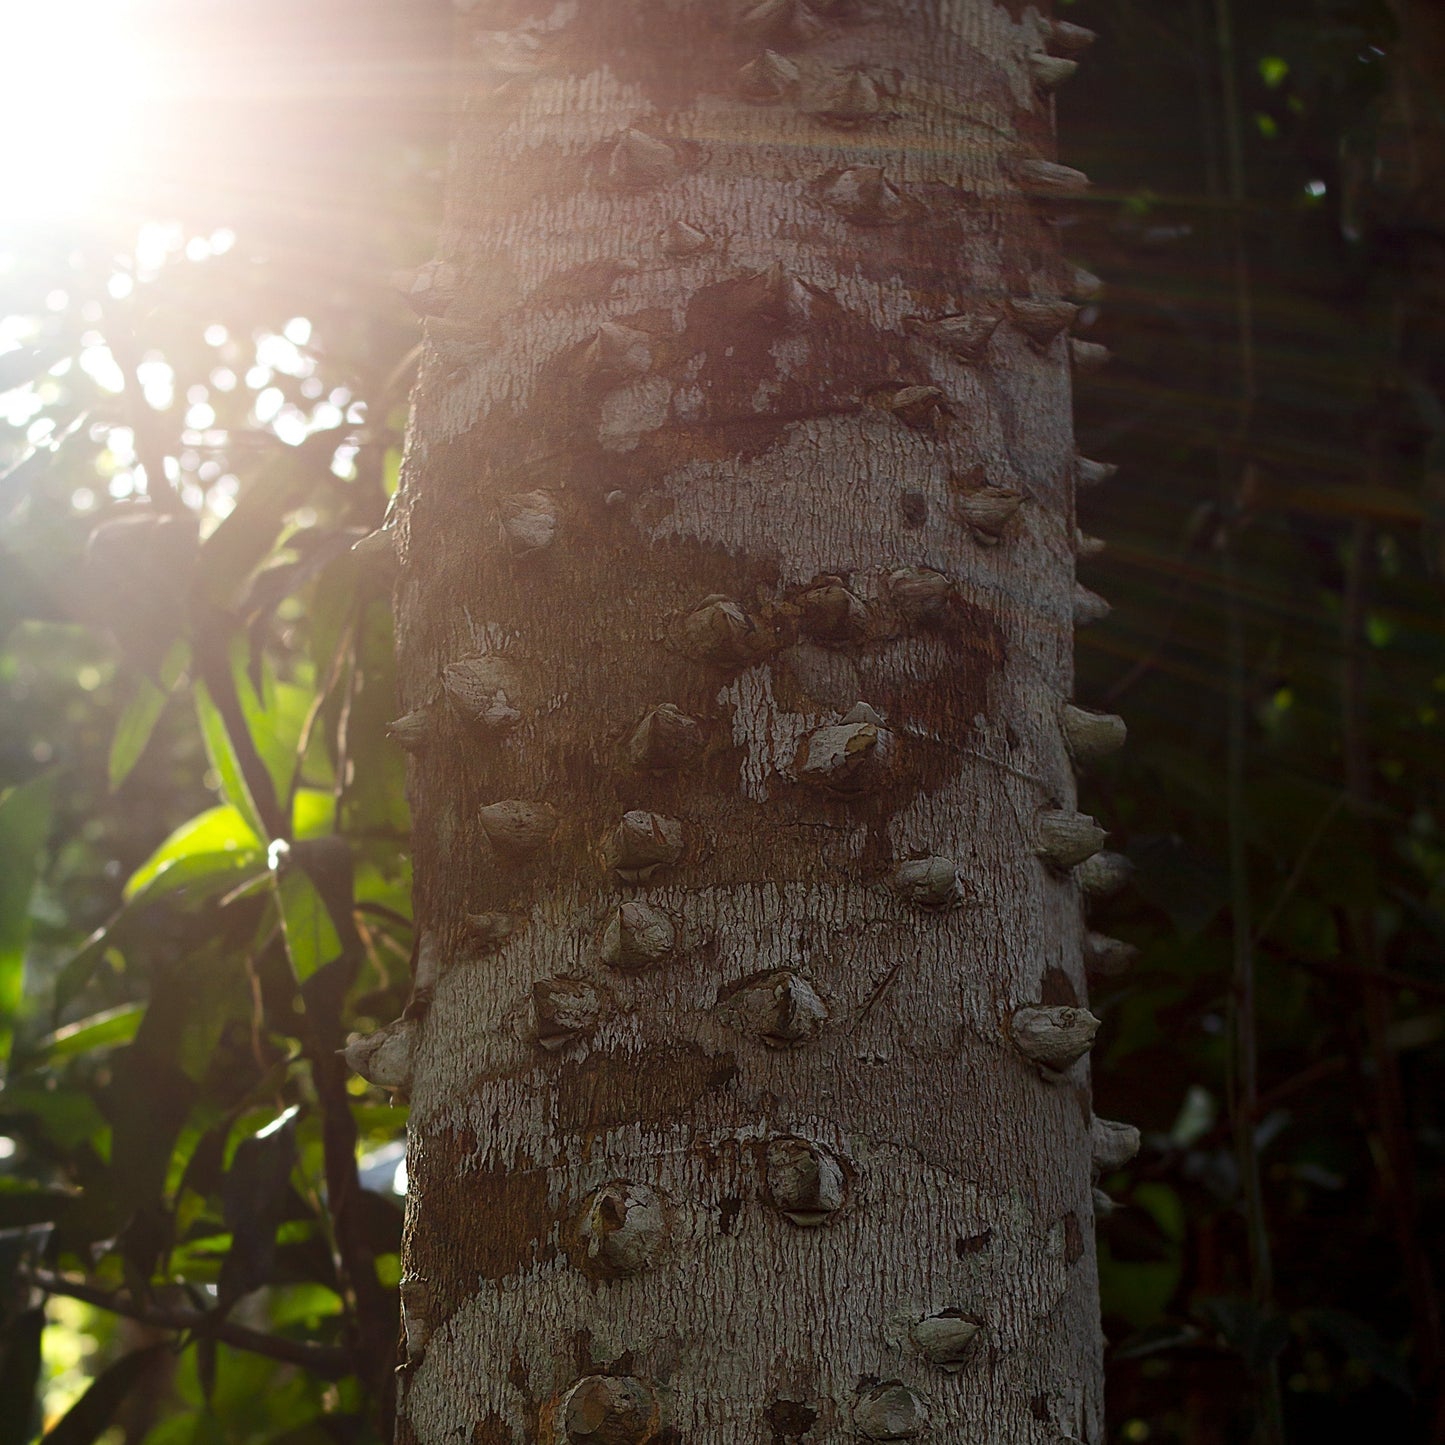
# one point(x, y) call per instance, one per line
point(1073, 1239)
point(789, 1419)
point(491, 1429)
point(972, 1244)
point(481, 1224)
point(652, 1087)
point(1057, 990)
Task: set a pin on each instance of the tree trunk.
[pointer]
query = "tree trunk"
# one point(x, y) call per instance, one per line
point(735, 628)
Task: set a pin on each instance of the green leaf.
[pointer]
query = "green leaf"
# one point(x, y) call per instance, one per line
point(203, 875)
point(220, 833)
point(274, 717)
point(1273, 70)
point(24, 824)
point(313, 814)
point(66, 1117)
point(89, 1418)
point(222, 754)
point(100, 1031)
point(142, 713)
point(311, 938)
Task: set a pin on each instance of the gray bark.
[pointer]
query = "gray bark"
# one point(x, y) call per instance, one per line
point(735, 628)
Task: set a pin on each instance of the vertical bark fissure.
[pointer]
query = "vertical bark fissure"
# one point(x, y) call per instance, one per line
point(735, 623)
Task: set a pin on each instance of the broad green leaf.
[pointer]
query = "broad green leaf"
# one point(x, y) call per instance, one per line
point(311, 937)
point(203, 875)
point(274, 717)
point(24, 823)
point(224, 831)
point(222, 753)
point(142, 712)
point(100, 1031)
point(313, 814)
point(66, 1117)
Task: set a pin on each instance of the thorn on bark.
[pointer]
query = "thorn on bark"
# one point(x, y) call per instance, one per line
point(1092, 735)
point(853, 103)
point(637, 936)
point(922, 407)
point(865, 196)
point(1065, 839)
point(623, 1228)
point(491, 930)
point(946, 1339)
point(615, 354)
point(1070, 38)
point(782, 1008)
point(1048, 180)
point(921, 595)
point(717, 630)
point(890, 1411)
point(1089, 607)
point(988, 510)
point(776, 296)
point(782, 22)
point(411, 731)
point(1055, 1038)
point(1088, 355)
point(517, 828)
point(1111, 1145)
point(640, 161)
point(384, 1058)
point(642, 844)
point(1042, 320)
point(963, 336)
point(564, 1009)
point(1106, 957)
point(804, 1181)
point(609, 1410)
point(1050, 71)
point(682, 241)
point(1092, 474)
point(479, 690)
point(1103, 875)
point(769, 77)
point(831, 613)
point(665, 739)
point(846, 758)
point(930, 883)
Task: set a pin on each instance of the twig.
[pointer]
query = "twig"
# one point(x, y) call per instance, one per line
point(327, 1361)
point(1297, 872)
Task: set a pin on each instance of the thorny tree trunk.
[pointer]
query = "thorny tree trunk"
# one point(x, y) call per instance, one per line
point(735, 627)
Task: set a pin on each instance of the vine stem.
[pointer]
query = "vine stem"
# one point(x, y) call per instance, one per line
point(1234, 479)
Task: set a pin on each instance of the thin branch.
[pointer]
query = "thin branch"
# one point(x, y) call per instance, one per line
point(1297, 872)
point(327, 1361)
point(1234, 475)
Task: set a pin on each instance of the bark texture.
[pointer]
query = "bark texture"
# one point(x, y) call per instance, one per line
point(735, 624)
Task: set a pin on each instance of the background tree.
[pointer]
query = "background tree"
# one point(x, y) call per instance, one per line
point(1328, 501)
